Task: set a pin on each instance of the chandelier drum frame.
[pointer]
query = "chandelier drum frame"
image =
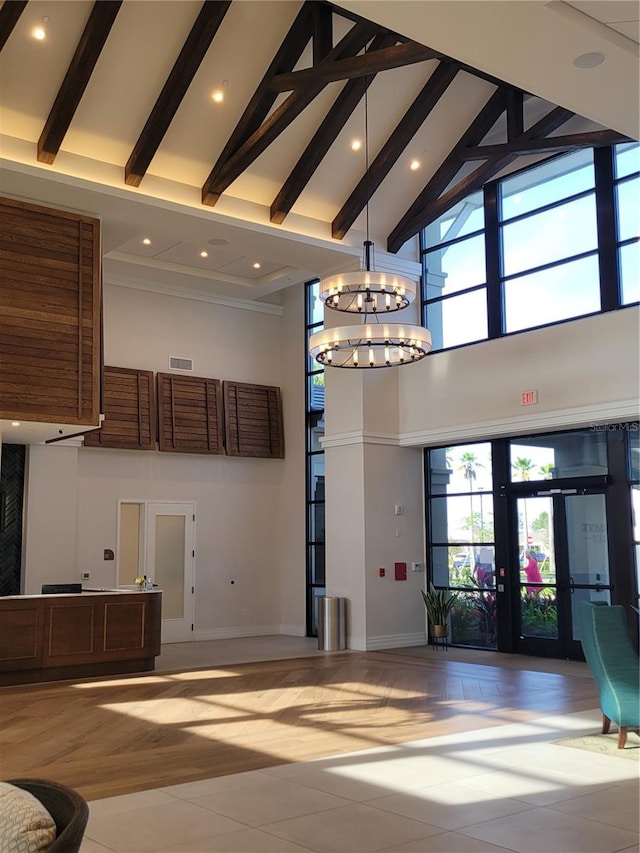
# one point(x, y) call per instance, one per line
point(370, 345)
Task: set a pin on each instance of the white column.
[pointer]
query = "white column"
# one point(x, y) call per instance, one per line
point(368, 475)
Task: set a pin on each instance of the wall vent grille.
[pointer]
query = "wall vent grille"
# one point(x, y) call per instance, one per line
point(176, 363)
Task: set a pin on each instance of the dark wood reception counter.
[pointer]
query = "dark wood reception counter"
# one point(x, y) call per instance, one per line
point(54, 637)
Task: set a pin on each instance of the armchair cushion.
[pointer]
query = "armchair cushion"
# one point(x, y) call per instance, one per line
point(25, 824)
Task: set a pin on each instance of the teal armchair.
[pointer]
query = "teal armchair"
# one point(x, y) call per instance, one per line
point(614, 664)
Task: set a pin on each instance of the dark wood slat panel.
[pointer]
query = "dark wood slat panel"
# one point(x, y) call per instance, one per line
point(77, 77)
point(52, 264)
point(189, 414)
point(12, 267)
point(253, 420)
point(129, 409)
point(44, 229)
point(34, 350)
point(193, 52)
point(49, 315)
point(20, 315)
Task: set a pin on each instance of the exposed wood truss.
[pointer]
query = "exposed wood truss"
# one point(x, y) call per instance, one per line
point(324, 45)
point(9, 16)
point(78, 74)
point(547, 145)
point(394, 146)
point(202, 34)
point(324, 137)
point(225, 173)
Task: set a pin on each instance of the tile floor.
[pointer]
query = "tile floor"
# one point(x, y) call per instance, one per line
point(508, 788)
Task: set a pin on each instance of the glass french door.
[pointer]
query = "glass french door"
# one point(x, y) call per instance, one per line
point(169, 562)
point(560, 557)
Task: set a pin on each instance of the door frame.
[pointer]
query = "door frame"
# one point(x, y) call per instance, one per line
point(172, 632)
point(564, 646)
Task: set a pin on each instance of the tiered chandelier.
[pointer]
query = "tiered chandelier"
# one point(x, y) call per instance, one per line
point(371, 295)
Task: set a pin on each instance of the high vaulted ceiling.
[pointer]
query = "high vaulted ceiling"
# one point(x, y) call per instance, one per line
point(112, 114)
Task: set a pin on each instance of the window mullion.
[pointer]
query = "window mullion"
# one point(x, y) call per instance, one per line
point(492, 260)
point(606, 222)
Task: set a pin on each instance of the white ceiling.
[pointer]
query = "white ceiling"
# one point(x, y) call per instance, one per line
point(529, 43)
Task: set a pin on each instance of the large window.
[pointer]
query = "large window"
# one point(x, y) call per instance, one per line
point(315, 463)
point(462, 549)
point(550, 243)
point(627, 205)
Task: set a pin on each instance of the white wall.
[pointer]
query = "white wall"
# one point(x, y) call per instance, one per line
point(395, 611)
point(250, 512)
point(585, 370)
point(50, 529)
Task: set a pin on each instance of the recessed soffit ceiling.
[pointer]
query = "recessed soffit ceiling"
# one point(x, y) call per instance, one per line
point(293, 240)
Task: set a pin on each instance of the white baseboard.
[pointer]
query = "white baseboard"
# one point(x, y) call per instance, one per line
point(237, 632)
point(293, 630)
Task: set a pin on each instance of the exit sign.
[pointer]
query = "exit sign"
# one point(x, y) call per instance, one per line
point(528, 398)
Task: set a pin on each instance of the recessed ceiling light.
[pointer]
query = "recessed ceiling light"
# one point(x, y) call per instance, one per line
point(217, 96)
point(15, 423)
point(39, 33)
point(204, 254)
point(356, 144)
point(146, 241)
point(414, 164)
point(589, 60)
point(257, 266)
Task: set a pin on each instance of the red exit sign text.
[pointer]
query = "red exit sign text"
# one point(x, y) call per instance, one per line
point(529, 398)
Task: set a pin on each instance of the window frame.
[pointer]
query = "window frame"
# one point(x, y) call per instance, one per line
point(607, 249)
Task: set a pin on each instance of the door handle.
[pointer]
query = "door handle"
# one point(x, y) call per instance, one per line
point(572, 585)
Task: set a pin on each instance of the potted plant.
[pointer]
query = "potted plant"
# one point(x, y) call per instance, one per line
point(439, 604)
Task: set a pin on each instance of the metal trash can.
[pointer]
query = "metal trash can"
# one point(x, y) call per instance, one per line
point(332, 632)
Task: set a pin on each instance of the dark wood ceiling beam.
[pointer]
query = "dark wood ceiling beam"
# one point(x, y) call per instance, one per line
point(550, 145)
point(322, 24)
point(324, 138)
point(515, 114)
point(357, 66)
point(9, 17)
point(433, 90)
point(79, 72)
point(193, 52)
point(474, 181)
point(451, 165)
point(263, 98)
point(280, 119)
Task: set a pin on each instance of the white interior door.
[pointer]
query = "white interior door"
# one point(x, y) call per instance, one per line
point(170, 564)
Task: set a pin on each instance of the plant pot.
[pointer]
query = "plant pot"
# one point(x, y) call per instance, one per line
point(438, 630)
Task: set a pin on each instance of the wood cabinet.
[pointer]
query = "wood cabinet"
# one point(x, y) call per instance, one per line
point(50, 303)
point(53, 637)
point(189, 414)
point(253, 420)
point(129, 410)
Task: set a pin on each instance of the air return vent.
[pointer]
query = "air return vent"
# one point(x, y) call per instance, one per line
point(176, 363)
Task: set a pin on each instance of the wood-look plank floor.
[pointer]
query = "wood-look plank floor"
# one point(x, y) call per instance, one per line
point(113, 736)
